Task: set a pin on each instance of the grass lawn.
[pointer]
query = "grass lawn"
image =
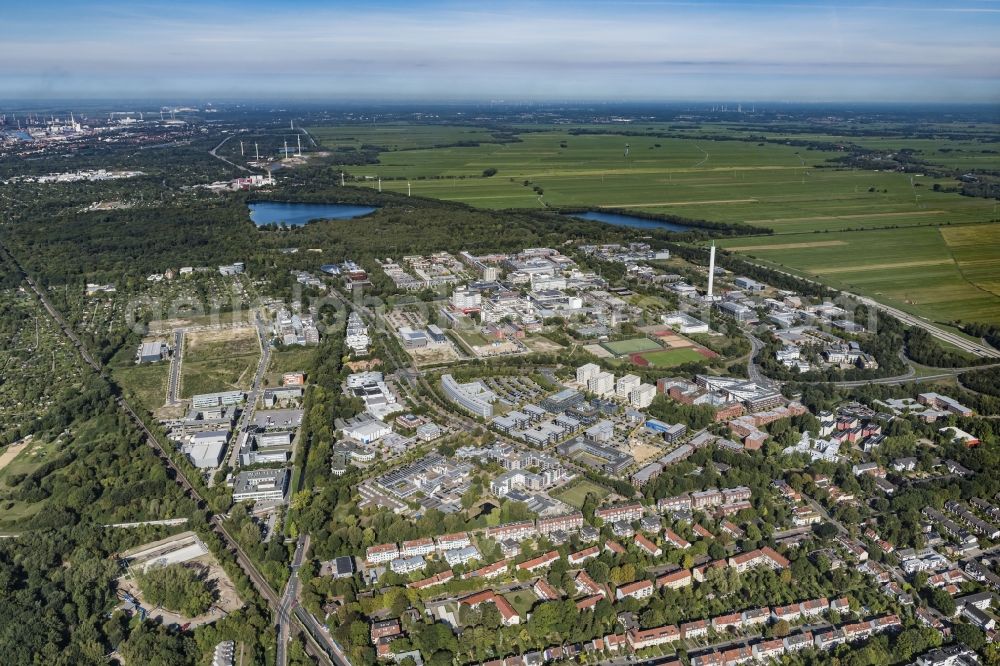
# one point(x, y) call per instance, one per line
point(522, 601)
point(148, 382)
point(668, 359)
point(631, 346)
point(576, 492)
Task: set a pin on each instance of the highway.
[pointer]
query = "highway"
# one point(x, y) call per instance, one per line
point(963, 343)
point(217, 156)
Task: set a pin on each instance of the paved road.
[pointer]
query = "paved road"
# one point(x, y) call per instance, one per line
point(216, 155)
point(976, 348)
point(174, 380)
point(753, 370)
point(289, 600)
point(246, 417)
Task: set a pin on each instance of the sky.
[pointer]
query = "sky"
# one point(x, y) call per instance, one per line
point(585, 50)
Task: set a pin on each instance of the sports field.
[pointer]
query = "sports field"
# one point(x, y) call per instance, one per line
point(942, 273)
point(771, 185)
point(630, 346)
point(671, 358)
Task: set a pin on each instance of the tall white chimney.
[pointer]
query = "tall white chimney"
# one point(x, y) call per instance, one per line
point(711, 270)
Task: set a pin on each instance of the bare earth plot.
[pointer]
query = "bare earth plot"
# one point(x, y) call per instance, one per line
point(219, 360)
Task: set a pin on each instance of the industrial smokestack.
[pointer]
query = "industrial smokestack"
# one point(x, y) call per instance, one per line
point(711, 270)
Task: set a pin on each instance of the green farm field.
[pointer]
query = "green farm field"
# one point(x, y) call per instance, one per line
point(770, 185)
point(941, 273)
point(399, 136)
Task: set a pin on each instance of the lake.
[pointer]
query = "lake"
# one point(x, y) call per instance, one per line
point(620, 220)
point(298, 214)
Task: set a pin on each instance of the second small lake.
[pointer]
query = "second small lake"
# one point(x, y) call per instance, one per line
point(298, 214)
point(620, 220)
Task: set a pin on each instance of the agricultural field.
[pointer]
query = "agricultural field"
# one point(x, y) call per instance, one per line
point(575, 492)
point(398, 137)
point(941, 273)
point(631, 346)
point(769, 185)
point(219, 360)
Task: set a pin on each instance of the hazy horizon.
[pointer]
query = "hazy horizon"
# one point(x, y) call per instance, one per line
point(587, 52)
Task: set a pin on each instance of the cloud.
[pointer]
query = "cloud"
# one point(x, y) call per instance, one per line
point(583, 50)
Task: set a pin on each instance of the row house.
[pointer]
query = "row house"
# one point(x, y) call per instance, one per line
point(436, 579)
point(702, 531)
point(540, 562)
point(698, 573)
point(640, 589)
point(669, 504)
point(829, 639)
point(731, 529)
point(570, 522)
point(544, 591)
point(695, 629)
point(489, 571)
point(798, 642)
point(611, 643)
point(645, 544)
point(581, 556)
point(675, 540)
point(587, 585)
point(614, 547)
point(675, 580)
point(517, 531)
point(729, 509)
point(453, 541)
point(625, 512)
point(508, 616)
point(705, 499)
point(382, 553)
point(644, 638)
point(723, 623)
point(417, 547)
point(756, 616)
point(769, 650)
point(589, 603)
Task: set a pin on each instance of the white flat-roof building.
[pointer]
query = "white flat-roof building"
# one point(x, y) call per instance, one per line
point(367, 431)
point(684, 323)
point(260, 484)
